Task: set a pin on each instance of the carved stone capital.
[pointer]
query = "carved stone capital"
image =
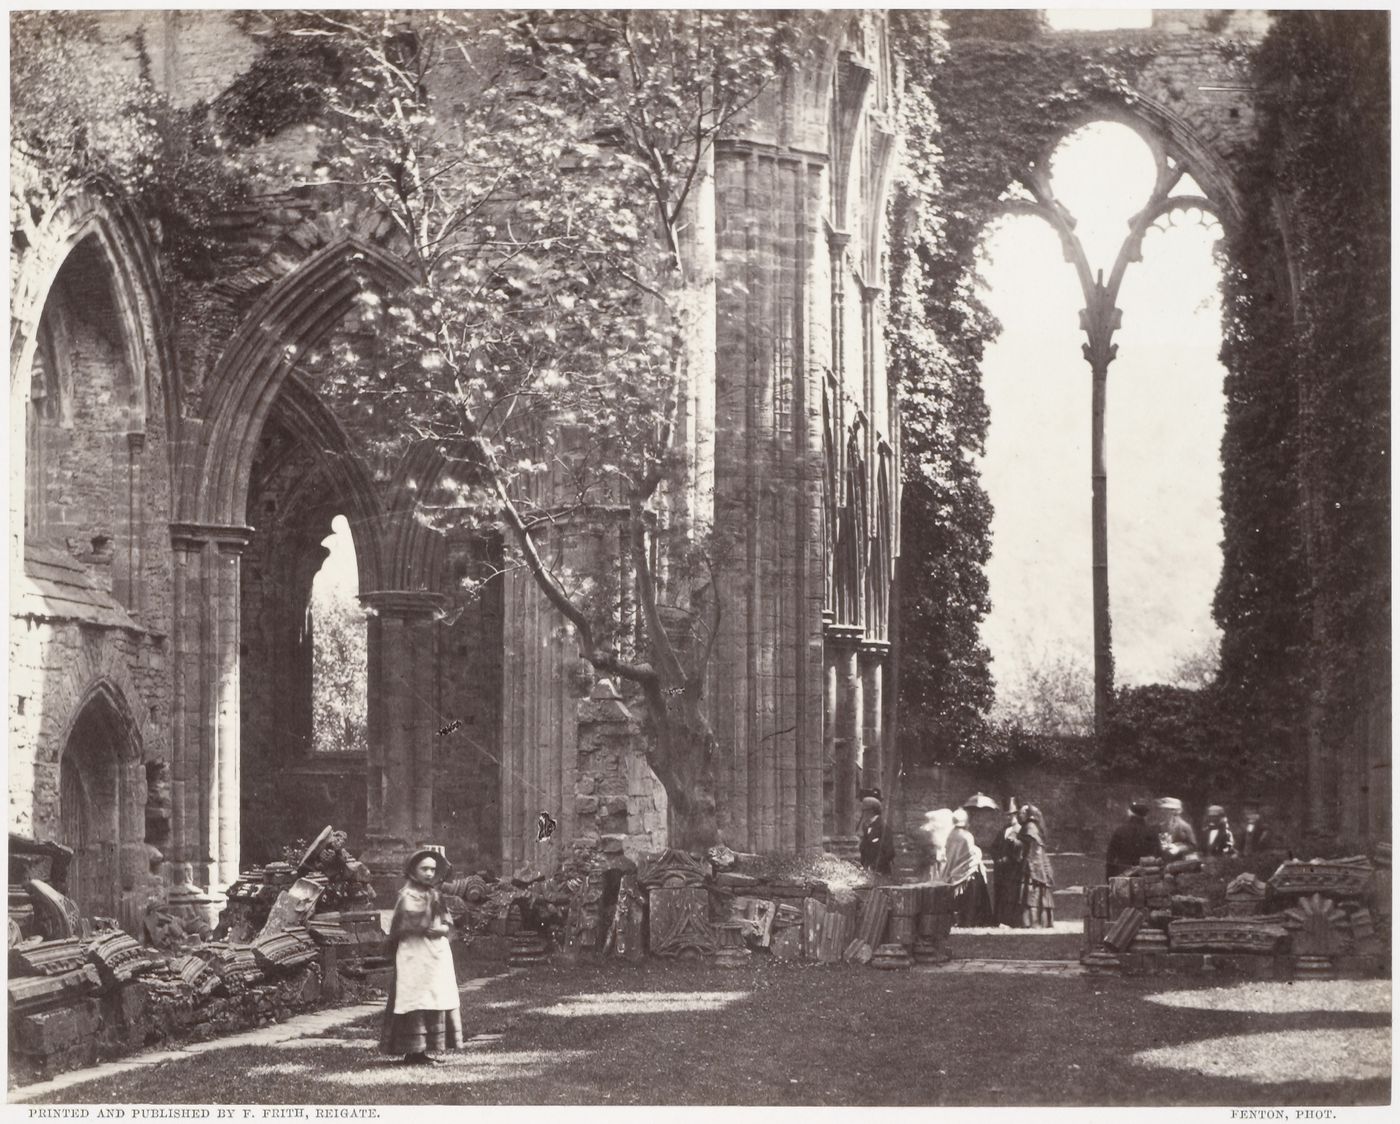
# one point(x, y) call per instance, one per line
point(195, 536)
point(404, 602)
point(670, 868)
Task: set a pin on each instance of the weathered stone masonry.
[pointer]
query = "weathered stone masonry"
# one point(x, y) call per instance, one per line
point(169, 591)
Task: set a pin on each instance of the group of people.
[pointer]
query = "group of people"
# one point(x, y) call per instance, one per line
point(1018, 891)
point(423, 1015)
point(1171, 836)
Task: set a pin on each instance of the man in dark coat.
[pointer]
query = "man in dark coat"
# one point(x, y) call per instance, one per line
point(1132, 840)
point(876, 838)
point(1255, 836)
point(1216, 833)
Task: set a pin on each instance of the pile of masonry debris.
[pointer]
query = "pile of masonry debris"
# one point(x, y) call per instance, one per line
point(83, 990)
point(1321, 919)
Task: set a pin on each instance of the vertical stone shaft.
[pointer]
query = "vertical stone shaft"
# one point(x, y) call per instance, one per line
point(403, 688)
point(872, 718)
point(847, 743)
point(208, 718)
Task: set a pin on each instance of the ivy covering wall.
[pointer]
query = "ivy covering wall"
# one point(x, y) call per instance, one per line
point(1300, 711)
point(981, 101)
point(1304, 600)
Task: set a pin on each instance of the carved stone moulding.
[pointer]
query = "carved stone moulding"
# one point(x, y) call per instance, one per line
point(118, 958)
point(1313, 968)
point(280, 952)
point(56, 915)
point(47, 958)
point(1226, 934)
point(670, 869)
point(198, 973)
point(1345, 878)
point(34, 993)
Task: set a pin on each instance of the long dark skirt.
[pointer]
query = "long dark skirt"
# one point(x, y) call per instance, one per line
point(972, 904)
point(419, 1032)
point(1006, 891)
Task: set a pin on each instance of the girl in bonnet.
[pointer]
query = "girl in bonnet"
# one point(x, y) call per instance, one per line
point(423, 1016)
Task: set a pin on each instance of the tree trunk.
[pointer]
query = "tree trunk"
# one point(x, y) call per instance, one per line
point(683, 759)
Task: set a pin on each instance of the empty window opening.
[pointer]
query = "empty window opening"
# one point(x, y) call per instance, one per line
point(1164, 418)
point(339, 665)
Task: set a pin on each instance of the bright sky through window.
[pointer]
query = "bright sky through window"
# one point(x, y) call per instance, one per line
point(1164, 422)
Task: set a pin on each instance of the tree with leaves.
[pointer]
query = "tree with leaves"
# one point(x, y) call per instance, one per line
point(542, 172)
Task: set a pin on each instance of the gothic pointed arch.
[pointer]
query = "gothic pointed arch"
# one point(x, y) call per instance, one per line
point(290, 319)
point(95, 214)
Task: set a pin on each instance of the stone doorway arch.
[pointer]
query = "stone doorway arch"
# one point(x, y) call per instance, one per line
point(92, 801)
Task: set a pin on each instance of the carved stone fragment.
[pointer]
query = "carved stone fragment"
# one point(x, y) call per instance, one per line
point(1336, 879)
point(1226, 934)
point(670, 869)
point(678, 922)
point(1316, 923)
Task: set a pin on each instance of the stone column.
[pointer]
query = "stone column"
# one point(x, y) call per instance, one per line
point(208, 720)
point(127, 586)
point(402, 696)
point(846, 745)
point(872, 668)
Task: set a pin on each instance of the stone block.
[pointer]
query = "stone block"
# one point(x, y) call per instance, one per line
point(1193, 962)
point(1094, 929)
point(585, 805)
point(46, 1033)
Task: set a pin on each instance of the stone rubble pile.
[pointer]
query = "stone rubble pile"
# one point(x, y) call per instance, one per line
point(82, 990)
point(1308, 920)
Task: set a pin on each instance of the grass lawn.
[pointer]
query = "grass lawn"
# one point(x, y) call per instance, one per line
point(793, 1034)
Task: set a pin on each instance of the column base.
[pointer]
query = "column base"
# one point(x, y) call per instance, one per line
point(385, 855)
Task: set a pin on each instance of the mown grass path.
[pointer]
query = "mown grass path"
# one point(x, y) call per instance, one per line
point(793, 1034)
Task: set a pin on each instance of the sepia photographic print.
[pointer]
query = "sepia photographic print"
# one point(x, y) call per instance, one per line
point(769, 558)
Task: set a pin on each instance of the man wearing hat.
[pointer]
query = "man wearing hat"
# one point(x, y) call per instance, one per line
point(1218, 839)
point(1255, 836)
point(1178, 840)
point(1132, 840)
point(876, 839)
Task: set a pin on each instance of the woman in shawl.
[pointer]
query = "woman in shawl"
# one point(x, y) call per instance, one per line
point(1037, 896)
point(962, 869)
point(423, 1015)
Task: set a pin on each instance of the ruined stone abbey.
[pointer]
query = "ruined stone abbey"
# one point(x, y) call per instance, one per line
point(171, 487)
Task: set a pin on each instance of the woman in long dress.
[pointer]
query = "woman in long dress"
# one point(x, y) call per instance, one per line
point(1006, 854)
point(423, 1016)
point(962, 869)
point(1037, 897)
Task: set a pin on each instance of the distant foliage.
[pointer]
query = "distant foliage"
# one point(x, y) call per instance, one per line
point(339, 671)
point(1169, 739)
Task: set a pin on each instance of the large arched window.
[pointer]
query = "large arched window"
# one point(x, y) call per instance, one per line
point(1162, 427)
point(339, 668)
